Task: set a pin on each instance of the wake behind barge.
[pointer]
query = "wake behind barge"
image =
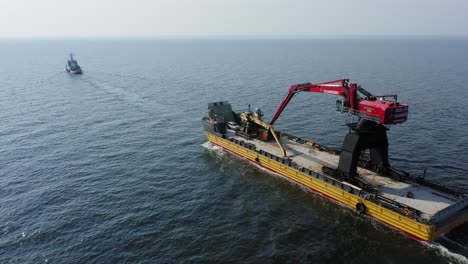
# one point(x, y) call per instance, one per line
point(420, 208)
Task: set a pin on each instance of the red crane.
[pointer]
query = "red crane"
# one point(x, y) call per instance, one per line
point(369, 133)
point(356, 101)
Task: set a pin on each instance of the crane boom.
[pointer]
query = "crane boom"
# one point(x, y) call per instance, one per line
point(356, 101)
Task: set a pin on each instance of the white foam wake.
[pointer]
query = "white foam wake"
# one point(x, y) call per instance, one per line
point(212, 147)
point(208, 145)
point(446, 253)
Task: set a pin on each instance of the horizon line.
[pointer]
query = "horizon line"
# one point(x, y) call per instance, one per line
point(344, 36)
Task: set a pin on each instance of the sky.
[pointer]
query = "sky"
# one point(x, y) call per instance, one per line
point(181, 18)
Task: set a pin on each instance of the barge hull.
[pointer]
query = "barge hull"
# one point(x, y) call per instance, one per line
point(329, 190)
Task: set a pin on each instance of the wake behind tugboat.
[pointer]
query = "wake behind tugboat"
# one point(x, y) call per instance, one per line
point(72, 66)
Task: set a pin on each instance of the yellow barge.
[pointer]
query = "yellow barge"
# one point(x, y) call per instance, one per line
point(419, 208)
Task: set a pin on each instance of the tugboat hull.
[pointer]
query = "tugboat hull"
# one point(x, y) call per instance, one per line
point(79, 71)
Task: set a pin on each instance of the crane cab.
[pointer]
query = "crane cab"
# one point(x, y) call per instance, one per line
point(385, 112)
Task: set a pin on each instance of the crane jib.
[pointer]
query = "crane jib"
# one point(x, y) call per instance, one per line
point(359, 102)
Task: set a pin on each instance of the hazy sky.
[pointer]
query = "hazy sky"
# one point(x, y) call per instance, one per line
point(65, 18)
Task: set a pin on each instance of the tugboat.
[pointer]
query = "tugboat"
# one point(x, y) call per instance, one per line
point(72, 66)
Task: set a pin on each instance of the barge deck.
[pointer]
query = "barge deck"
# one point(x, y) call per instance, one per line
point(424, 198)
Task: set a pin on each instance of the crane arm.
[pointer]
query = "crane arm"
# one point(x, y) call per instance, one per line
point(336, 87)
point(357, 101)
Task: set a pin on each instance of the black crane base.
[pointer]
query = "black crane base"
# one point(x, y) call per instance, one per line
point(372, 137)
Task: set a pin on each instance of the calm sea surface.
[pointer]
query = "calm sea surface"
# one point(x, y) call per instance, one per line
point(109, 167)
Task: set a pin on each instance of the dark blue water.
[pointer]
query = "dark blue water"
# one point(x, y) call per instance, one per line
point(108, 167)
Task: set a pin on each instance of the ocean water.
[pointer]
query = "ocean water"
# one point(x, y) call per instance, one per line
point(110, 167)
